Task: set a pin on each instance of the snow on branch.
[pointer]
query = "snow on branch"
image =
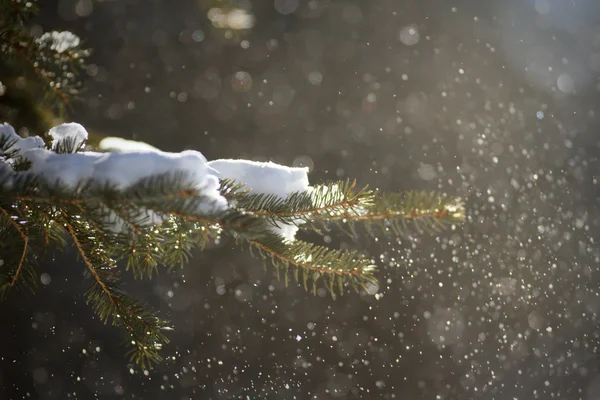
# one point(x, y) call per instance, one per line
point(58, 41)
point(68, 138)
point(267, 178)
point(120, 170)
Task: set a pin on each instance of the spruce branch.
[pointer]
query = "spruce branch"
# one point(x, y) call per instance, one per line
point(47, 66)
point(230, 189)
point(111, 303)
point(429, 212)
point(140, 247)
point(181, 236)
point(394, 213)
point(319, 202)
point(56, 68)
point(17, 264)
point(16, 13)
point(340, 203)
point(158, 219)
point(308, 262)
point(23, 236)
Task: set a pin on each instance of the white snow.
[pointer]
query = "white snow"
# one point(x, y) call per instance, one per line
point(263, 177)
point(59, 41)
point(266, 178)
point(72, 131)
point(20, 144)
point(124, 169)
point(117, 144)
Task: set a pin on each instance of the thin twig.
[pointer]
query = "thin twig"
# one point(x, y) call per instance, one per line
point(182, 194)
point(25, 245)
point(87, 261)
point(346, 204)
point(117, 303)
point(310, 267)
point(388, 214)
point(40, 73)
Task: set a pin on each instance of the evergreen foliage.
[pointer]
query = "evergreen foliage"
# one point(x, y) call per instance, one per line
point(39, 75)
point(155, 222)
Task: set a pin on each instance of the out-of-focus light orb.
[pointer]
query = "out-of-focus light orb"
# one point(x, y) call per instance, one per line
point(240, 19)
point(236, 18)
point(565, 83)
point(84, 8)
point(272, 44)
point(409, 35)
point(198, 35)
point(208, 86)
point(283, 95)
point(241, 81)
point(540, 115)
point(285, 7)
point(542, 6)
point(351, 14)
point(535, 320)
point(594, 62)
point(372, 288)
point(304, 161)
point(427, 172)
point(315, 78)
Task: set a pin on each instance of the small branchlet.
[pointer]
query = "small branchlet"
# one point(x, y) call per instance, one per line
point(39, 75)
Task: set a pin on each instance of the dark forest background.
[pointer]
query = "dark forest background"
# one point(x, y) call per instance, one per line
point(496, 101)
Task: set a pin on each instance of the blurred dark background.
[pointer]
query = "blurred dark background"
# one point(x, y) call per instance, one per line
point(496, 101)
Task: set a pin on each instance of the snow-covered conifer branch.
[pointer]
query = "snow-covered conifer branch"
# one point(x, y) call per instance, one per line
point(40, 73)
point(145, 208)
point(150, 208)
point(16, 12)
point(55, 58)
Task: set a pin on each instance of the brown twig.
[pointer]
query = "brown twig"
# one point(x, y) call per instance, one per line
point(117, 303)
point(348, 204)
point(25, 245)
point(182, 194)
point(86, 260)
point(344, 204)
point(388, 214)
